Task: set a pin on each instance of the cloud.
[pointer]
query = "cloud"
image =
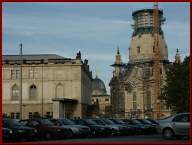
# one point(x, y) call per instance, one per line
point(36, 25)
point(94, 28)
point(173, 27)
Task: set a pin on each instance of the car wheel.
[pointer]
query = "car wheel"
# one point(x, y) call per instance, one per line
point(47, 135)
point(168, 133)
point(70, 134)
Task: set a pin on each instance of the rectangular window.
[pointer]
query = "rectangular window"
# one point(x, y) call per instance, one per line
point(35, 74)
point(12, 74)
point(12, 115)
point(4, 115)
point(106, 100)
point(36, 114)
point(48, 114)
point(134, 105)
point(17, 115)
point(138, 49)
point(31, 74)
point(30, 115)
point(17, 74)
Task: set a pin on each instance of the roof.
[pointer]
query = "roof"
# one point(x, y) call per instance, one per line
point(32, 57)
point(145, 10)
point(98, 87)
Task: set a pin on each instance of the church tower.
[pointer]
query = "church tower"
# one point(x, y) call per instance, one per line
point(177, 56)
point(142, 42)
point(133, 91)
point(118, 64)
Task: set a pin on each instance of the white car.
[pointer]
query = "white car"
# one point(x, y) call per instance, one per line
point(174, 126)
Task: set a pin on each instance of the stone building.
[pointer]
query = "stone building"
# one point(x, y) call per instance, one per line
point(100, 99)
point(133, 84)
point(52, 85)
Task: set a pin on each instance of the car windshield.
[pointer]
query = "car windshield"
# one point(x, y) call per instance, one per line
point(23, 122)
point(166, 117)
point(146, 121)
point(100, 122)
point(12, 123)
point(91, 122)
point(109, 122)
point(153, 121)
point(128, 122)
point(67, 122)
point(119, 122)
point(46, 122)
point(16, 123)
point(136, 121)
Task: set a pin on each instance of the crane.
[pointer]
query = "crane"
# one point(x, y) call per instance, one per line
point(157, 67)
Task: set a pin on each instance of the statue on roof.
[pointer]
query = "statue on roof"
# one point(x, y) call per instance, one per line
point(78, 56)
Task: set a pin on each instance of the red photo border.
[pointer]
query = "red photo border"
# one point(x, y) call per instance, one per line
point(95, 143)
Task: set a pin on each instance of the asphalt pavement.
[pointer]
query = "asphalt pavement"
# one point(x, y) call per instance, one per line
point(122, 139)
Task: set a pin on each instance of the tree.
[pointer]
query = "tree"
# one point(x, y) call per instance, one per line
point(176, 91)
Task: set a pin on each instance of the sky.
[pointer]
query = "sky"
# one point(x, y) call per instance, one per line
point(96, 29)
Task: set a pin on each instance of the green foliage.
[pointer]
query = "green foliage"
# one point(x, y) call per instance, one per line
point(176, 91)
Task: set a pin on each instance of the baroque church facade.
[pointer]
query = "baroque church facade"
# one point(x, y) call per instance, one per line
point(132, 85)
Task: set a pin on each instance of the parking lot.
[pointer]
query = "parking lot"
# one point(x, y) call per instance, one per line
point(136, 138)
point(121, 139)
point(92, 130)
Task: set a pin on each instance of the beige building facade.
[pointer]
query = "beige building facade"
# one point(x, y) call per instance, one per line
point(52, 86)
point(133, 84)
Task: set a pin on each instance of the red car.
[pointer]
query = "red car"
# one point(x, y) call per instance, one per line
point(46, 129)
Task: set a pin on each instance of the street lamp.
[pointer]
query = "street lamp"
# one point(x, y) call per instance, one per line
point(42, 62)
point(20, 100)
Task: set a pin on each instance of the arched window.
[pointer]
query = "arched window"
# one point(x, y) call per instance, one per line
point(59, 91)
point(15, 92)
point(32, 92)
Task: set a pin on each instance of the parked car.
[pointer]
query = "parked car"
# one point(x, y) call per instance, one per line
point(143, 129)
point(114, 129)
point(139, 129)
point(123, 130)
point(46, 129)
point(96, 129)
point(77, 130)
point(19, 131)
point(153, 121)
point(175, 126)
point(129, 129)
point(7, 135)
point(152, 126)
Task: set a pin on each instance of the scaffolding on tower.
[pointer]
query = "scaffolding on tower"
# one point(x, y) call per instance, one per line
point(157, 75)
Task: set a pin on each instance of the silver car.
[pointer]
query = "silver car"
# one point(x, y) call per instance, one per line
point(175, 126)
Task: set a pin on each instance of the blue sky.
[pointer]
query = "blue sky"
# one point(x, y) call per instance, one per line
point(96, 29)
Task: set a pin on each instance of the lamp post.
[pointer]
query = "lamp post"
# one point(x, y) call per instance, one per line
point(42, 61)
point(24, 111)
point(20, 99)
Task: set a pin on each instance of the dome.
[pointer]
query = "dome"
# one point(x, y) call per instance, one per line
point(98, 87)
